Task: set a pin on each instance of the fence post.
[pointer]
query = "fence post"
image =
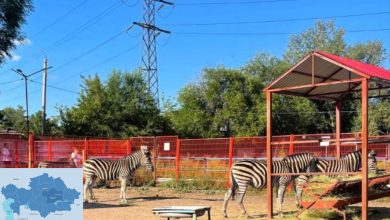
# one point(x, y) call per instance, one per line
point(30, 150)
point(86, 149)
point(50, 152)
point(291, 147)
point(128, 146)
point(16, 154)
point(177, 159)
point(231, 143)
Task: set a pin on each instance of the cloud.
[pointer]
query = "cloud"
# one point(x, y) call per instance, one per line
point(15, 57)
point(22, 42)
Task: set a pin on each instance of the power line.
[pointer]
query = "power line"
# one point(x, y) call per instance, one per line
point(98, 64)
point(76, 58)
point(85, 26)
point(268, 33)
point(55, 87)
point(75, 32)
point(9, 82)
point(231, 3)
point(59, 19)
point(89, 51)
point(280, 20)
point(59, 88)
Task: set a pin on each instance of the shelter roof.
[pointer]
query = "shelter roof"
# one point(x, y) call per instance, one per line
point(321, 75)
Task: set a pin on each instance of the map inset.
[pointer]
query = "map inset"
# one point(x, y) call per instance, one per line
point(41, 194)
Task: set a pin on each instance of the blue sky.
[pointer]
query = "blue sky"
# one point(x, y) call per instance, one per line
point(82, 41)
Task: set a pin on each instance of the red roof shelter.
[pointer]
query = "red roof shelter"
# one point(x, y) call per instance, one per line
point(324, 76)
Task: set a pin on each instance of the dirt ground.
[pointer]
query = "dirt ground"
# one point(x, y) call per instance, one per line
point(142, 200)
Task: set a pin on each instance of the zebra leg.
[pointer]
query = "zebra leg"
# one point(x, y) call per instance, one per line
point(281, 191)
point(123, 190)
point(240, 199)
point(90, 188)
point(298, 189)
point(87, 180)
point(228, 195)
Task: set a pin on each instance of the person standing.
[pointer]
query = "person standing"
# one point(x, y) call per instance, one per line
point(75, 158)
point(6, 155)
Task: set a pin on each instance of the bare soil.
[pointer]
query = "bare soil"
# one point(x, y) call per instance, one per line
point(142, 200)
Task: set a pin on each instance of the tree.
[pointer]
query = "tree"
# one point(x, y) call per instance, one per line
point(379, 118)
point(12, 119)
point(120, 107)
point(12, 15)
point(327, 37)
point(51, 125)
point(324, 36)
point(230, 102)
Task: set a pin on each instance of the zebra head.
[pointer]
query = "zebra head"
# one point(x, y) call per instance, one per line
point(372, 163)
point(146, 158)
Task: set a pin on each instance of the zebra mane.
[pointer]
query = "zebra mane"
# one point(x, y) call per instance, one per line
point(359, 152)
point(297, 155)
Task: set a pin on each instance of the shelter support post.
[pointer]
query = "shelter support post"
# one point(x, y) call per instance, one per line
point(231, 143)
point(177, 162)
point(338, 128)
point(364, 148)
point(30, 150)
point(269, 155)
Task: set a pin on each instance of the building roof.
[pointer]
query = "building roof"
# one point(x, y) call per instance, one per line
point(333, 77)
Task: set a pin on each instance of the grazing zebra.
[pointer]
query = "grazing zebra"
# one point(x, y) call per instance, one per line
point(254, 172)
point(348, 163)
point(122, 169)
point(351, 162)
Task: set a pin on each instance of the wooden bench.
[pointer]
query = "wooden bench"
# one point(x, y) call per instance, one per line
point(177, 212)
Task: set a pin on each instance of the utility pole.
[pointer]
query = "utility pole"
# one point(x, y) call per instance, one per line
point(149, 54)
point(25, 77)
point(44, 96)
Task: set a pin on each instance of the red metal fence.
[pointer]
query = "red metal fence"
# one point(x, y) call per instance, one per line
point(180, 158)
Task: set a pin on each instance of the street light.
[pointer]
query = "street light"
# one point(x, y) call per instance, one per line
point(25, 77)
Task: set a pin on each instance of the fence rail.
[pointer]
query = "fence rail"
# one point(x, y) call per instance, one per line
point(181, 158)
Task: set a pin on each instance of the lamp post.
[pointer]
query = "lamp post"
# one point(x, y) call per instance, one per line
point(25, 77)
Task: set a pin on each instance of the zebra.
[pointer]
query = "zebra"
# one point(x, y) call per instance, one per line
point(254, 172)
point(348, 163)
point(351, 162)
point(122, 169)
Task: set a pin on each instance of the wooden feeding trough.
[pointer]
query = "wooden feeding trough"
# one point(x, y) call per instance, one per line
point(378, 189)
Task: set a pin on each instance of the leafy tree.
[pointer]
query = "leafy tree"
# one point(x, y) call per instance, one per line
point(51, 125)
point(228, 102)
point(224, 102)
point(120, 107)
point(379, 118)
point(12, 16)
point(326, 36)
point(12, 119)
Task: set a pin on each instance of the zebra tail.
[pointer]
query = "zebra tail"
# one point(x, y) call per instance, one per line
point(233, 186)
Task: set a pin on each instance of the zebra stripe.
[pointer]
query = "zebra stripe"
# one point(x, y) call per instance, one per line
point(348, 163)
point(122, 169)
point(254, 172)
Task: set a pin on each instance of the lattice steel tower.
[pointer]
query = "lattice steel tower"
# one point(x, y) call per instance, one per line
point(149, 48)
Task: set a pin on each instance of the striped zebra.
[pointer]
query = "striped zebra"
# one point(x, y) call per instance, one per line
point(122, 169)
point(348, 163)
point(254, 172)
point(351, 162)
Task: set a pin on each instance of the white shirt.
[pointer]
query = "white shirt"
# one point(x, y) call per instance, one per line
point(76, 159)
point(6, 155)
